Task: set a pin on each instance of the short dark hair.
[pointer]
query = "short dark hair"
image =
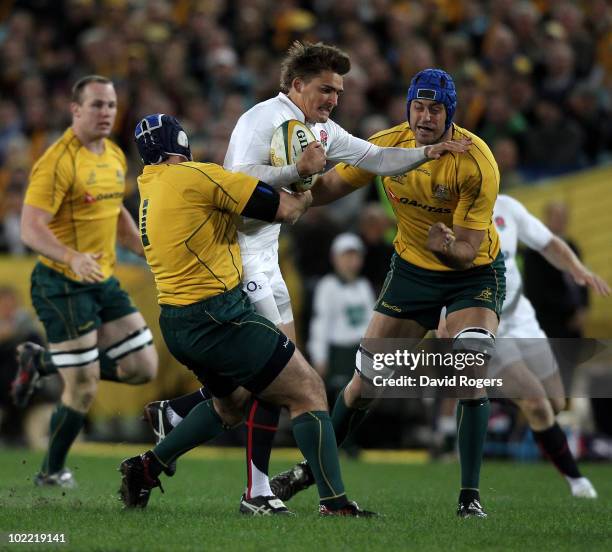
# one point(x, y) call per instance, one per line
point(79, 86)
point(306, 60)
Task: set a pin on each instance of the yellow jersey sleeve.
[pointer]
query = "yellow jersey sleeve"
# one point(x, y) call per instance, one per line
point(51, 178)
point(354, 176)
point(478, 180)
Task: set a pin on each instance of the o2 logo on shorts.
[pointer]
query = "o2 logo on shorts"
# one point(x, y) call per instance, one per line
point(253, 286)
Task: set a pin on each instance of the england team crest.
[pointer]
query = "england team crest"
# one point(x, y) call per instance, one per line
point(323, 140)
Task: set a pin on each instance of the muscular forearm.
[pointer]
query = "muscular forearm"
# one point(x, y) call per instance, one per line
point(459, 255)
point(291, 207)
point(42, 240)
point(392, 161)
point(561, 256)
point(327, 190)
point(277, 177)
point(127, 233)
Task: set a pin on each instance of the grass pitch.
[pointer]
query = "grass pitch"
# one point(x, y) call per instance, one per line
point(529, 507)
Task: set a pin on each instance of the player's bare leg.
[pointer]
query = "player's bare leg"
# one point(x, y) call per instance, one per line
point(539, 410)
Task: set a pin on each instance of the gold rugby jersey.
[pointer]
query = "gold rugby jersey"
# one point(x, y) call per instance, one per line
point(456, 189)
point(83, 191)
point(187, 228)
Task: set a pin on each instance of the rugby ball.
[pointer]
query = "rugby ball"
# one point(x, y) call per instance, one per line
point(288, 142)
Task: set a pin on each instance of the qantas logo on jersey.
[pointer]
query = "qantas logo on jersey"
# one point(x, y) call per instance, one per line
point(500, 223)
point(415, 203)
point(323, 135)
point(88, 198)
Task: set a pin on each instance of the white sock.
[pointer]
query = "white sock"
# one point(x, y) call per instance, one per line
point(260, 484)
point(173, 417)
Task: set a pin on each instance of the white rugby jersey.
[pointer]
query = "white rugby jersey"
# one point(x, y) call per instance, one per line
point(249, 152)
point(341, 312)
point(514, 223)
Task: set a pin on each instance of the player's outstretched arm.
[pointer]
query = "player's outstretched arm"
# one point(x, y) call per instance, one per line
point(455, 248)
point(561, 256)
point(436, 151)
point(35, 233)
point(388, 161)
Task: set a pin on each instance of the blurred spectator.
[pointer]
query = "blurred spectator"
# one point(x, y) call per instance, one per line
point(343, 302)
point(560, 304)
point(506, 154)
point(10, 226)
point(165, 55)
point(374, 225)
point(552, 127)
point(501, 121)
point(559, 77)
point(586, 108)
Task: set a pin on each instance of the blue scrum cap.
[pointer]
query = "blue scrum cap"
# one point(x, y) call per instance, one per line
point(159, 136)
point(436, 85)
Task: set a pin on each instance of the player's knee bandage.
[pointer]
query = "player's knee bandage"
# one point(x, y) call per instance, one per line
point(134, 342)
point(368, 368)
point(74, 358)
point(474, 340)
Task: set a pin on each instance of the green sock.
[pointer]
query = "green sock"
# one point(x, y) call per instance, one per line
point(346, 419)
point(108, 368)
point(472, 420)
point(199, 426)
point(314, 435)
point(64, 428)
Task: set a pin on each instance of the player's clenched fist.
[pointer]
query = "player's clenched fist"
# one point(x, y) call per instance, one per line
point(312, 160)
point(440, 238)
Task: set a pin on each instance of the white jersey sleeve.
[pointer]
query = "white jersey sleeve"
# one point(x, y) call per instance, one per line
point(277, 177)
point(515, 224)
point(531, 230)
point(249, 152)
point(249, 147)
point(344, 147)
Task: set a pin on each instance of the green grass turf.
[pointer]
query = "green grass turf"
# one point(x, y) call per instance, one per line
point(529, 505)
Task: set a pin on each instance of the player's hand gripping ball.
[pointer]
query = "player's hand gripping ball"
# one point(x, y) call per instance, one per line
point(288, 142)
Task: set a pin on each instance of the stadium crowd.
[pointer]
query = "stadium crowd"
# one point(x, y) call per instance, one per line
point(527, 72)
point(534, 79)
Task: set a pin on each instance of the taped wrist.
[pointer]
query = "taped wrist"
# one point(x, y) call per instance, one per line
point(263, 203)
